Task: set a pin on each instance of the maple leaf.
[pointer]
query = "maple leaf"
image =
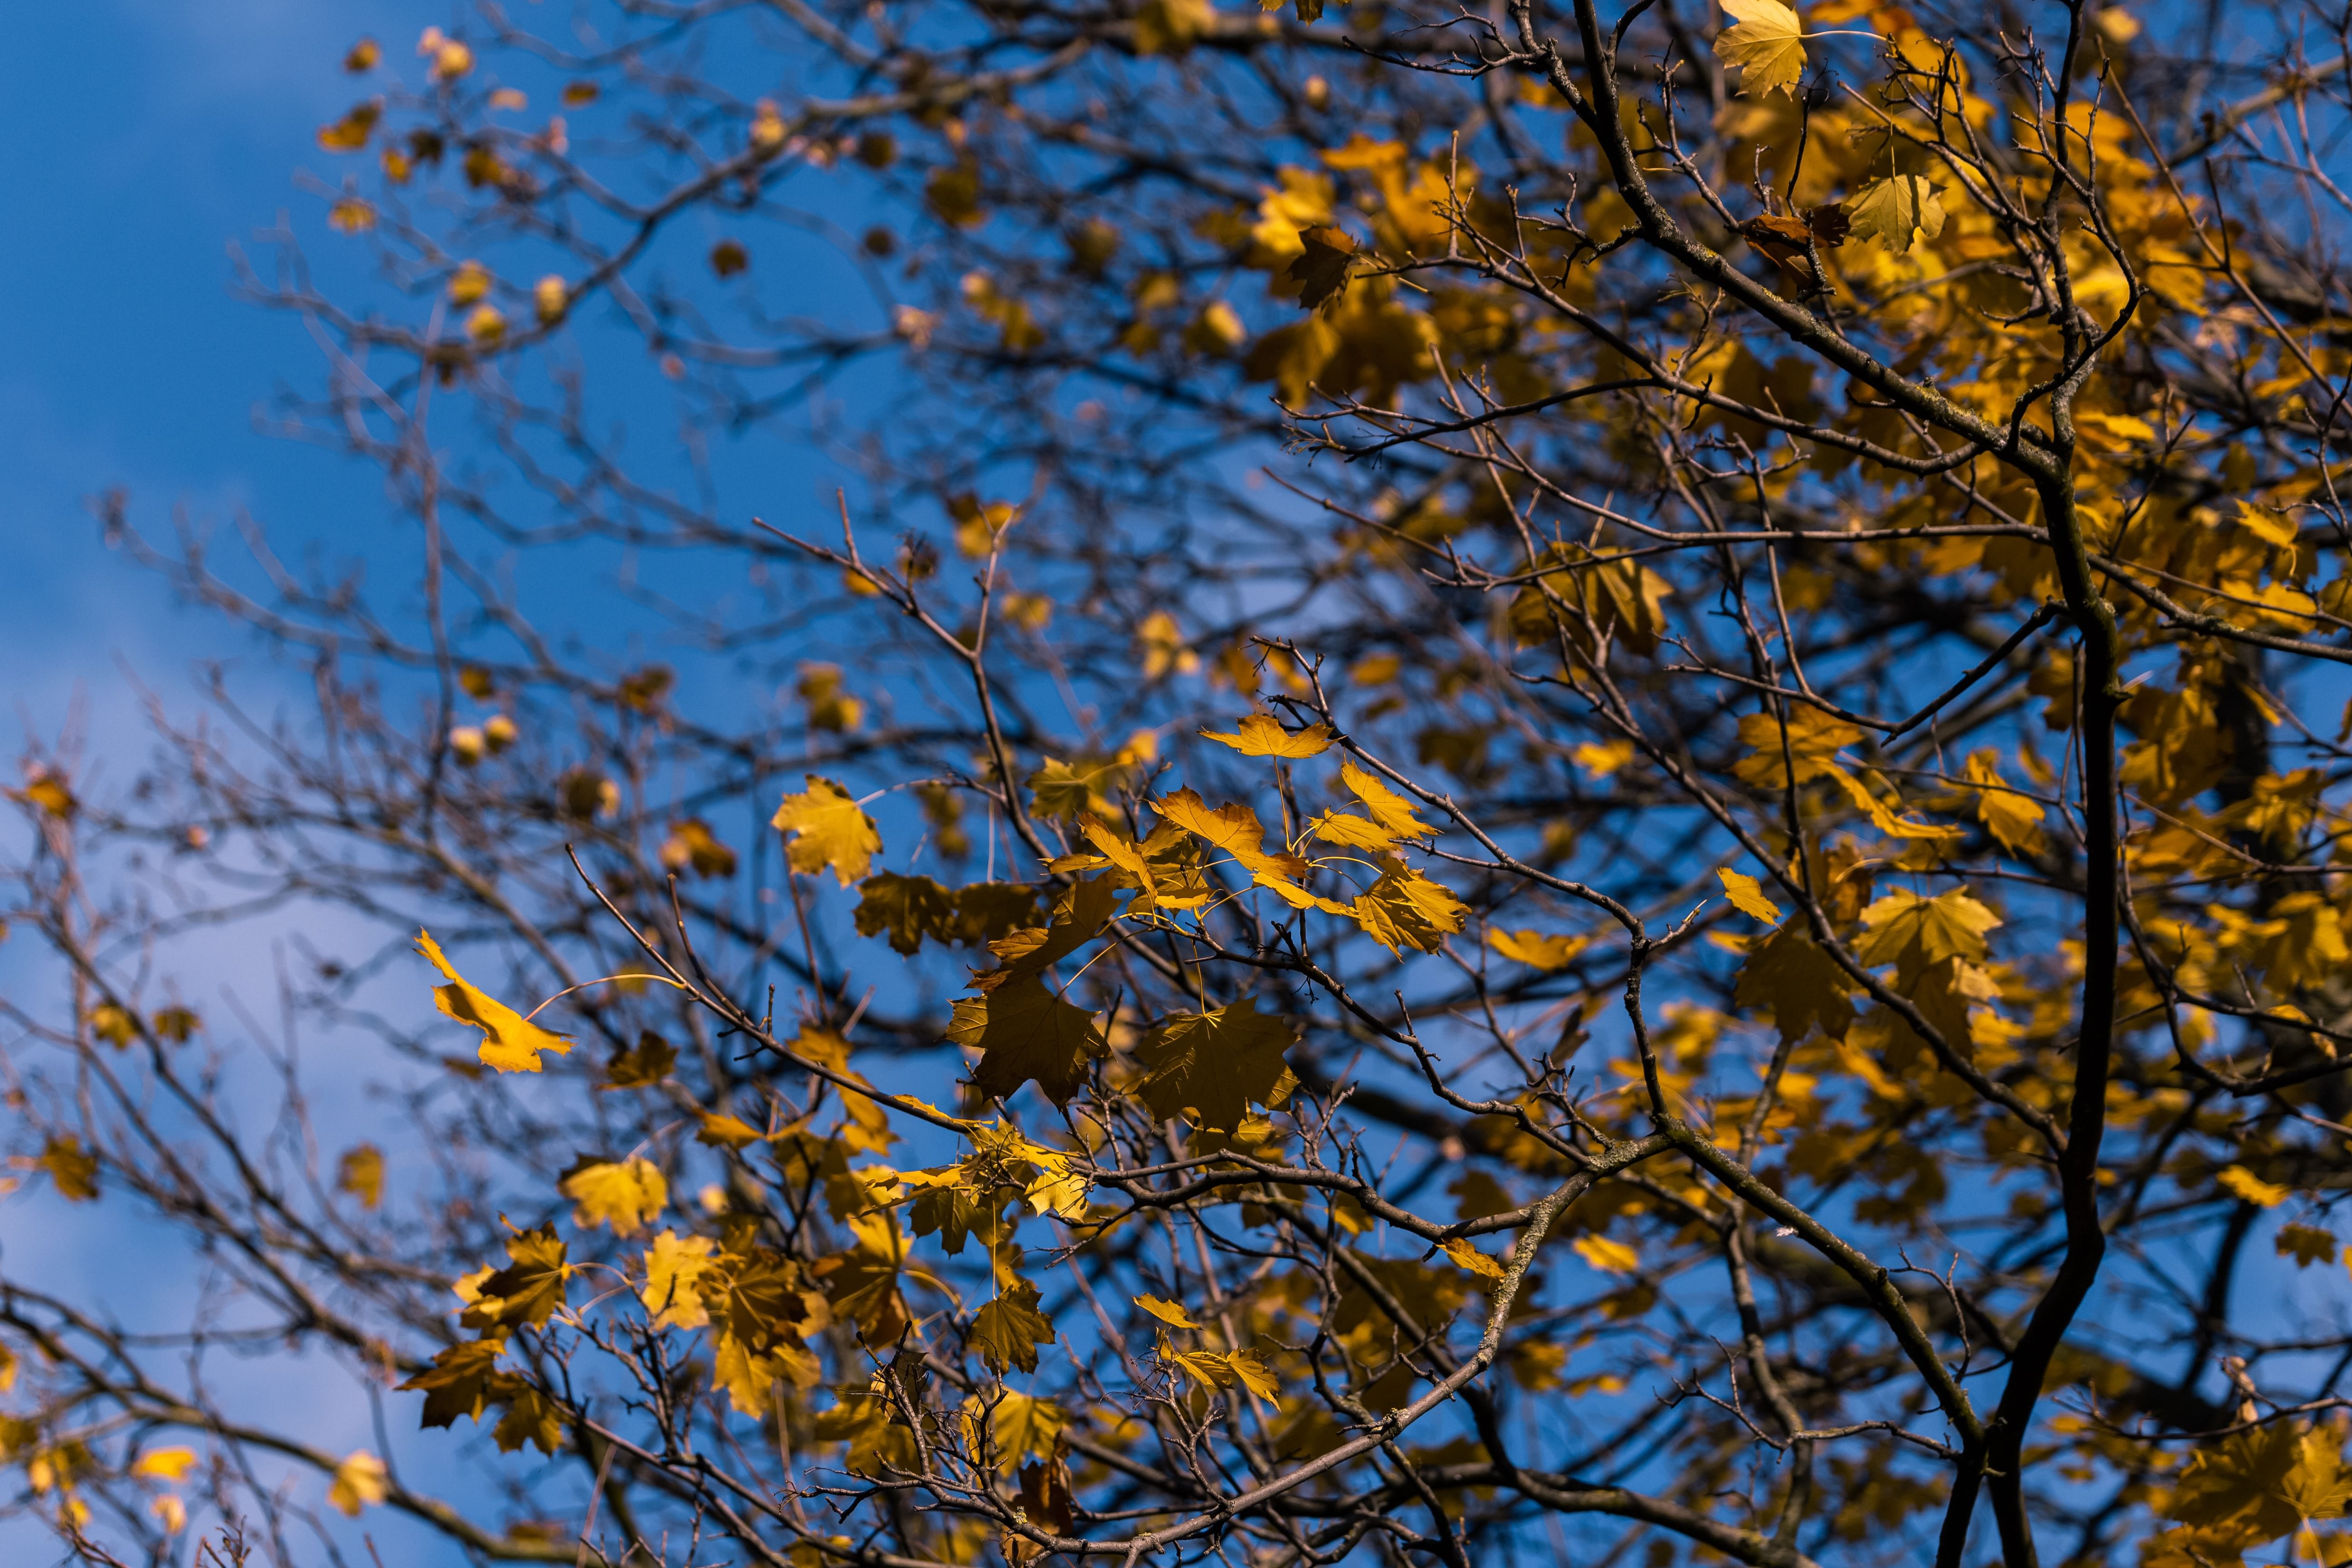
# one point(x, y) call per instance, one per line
point(692, 845)
point(624, 1195)
point(1236, 829)
point(2013, 819)
point(641, 1065)
point(510, 1042)
point(360, 1481)
point(1250, 1369)
point(1405, 909)
point(73, 1170)
point(165, 1464)
point(1167, 1311)
point(1747, 897)
point(986, 911)
point(1008, 1331)
point(1814, 739)
point(1767, 46)
point(676, 1269)
point(1799, 986)
point(528, 1290)
point(1025, 1031)
point(2262, 1484)
point(1915, 933)
point(1125, 855)
point(1262, 735)
point(1046, 1495)
point(2306, 1244)
point(1468, 1256)
point(114, 1025)
point(531, 1417)
point(1608, 1257)
point(907, 908)
point(360, 1173)
point(1349, 831)
point(1323, 265)
point(827, 829)
point(460, 1381)
point(727, 1131)
point(2243, 1183)
point(1021, 1424)
point(1541, 950)
point(1899, 212)
point(861, 1283)
point(1394, 813)
point(1214, 1063)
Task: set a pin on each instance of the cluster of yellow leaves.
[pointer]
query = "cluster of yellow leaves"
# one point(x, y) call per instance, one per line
point(2248, 1489)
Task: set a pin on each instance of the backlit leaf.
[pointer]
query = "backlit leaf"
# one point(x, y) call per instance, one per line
point(624, 1195)
point(1747, 897)
point(1262, 735)
point(1214, 1063)
point(827, 829)
point(1766, 46)
point(510, 1042)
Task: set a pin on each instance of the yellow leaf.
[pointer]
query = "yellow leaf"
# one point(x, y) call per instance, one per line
point(360, 1173)
point(165, 1464)
point(351, 133)
point(2306, 1244)
point(1393, 811)
point(1543, 949)
point(1897, 212)
point(74, 1170)
point(1747, 897)
point(623, 1195)
point(1470, 1258)
point(2013, 819)
point(1602, 758)
point(113, 1025)
point(359, 1480)
point(1406, 909)
point(1262, 736)
point(1250, 1368)
point(676, 1267)
point(1814, 739)
point(827, 829)
point(351, 216)
point(1349, 831)
point(1167, 1311)
point(2252, 1188)
point(1914, 933)
point(1796, 983)
point(2271, 527)
point(1767, 46)
point(550, 297)
point(1607, 1256)
point(510, 1042)
point(1211, 1064)
point(727, 1131)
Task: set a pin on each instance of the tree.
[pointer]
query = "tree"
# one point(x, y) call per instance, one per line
point(1576, 791)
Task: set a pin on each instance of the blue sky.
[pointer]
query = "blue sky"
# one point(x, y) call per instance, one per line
point(147, 135)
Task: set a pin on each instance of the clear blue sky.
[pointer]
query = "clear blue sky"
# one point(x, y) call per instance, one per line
point(145, 136)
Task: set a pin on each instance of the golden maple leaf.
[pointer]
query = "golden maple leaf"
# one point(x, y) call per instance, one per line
point(1767, 46)
point(827, 829)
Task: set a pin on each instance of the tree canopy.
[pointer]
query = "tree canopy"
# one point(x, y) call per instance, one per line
point(1539, 781)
